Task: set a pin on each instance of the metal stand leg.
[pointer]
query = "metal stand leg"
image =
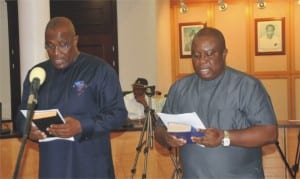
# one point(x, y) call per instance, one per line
point(174, 154)
point(148, 142)
point(292, 171)
point(284, 160)
point(297, 158)
point(138, 149)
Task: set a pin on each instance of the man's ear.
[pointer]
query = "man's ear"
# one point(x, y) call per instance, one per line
point(75, 40)
point(224, 54)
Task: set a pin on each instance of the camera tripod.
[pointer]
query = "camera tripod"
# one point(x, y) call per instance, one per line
point(294, 170)
point(146, 132)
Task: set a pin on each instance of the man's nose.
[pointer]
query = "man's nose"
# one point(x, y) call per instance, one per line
point(57, 51)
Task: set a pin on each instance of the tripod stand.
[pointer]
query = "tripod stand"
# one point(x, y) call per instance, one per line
point(147, 143)
point(174, 154)
point(294, 170)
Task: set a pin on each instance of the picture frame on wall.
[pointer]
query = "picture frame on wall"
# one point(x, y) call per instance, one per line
point(187, 32)
point(270, 36)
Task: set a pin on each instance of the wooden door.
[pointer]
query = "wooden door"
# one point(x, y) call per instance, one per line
point(14, 57)
point(96, 24)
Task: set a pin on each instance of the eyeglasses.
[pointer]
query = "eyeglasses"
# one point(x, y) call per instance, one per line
point(62, 47)
point(208, 55)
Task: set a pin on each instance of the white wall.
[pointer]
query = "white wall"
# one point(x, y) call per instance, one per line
point(137, 41)
point(33, 18)
point(4, 62)
point(32, 14)
point(163, 59)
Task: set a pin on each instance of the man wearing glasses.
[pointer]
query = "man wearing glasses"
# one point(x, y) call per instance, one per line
point(234, 107)
point(87, 92)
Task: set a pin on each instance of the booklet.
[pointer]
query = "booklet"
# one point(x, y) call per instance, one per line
point(44, 118)
point(183, 131)
point(183, 125)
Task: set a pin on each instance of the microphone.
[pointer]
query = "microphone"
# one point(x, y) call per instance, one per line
point(37, 77)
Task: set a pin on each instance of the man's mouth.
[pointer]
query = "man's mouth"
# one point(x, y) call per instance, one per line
point(58, 60)
point(204, 71)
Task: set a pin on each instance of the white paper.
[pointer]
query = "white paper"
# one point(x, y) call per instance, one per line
point(24, 112)
point(55, 138)
point(184, 118)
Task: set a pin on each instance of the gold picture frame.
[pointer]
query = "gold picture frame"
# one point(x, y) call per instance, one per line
point(269, 36)
point(186, 35)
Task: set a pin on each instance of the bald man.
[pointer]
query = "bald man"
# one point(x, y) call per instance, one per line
point(234, 107)
point(87, 92)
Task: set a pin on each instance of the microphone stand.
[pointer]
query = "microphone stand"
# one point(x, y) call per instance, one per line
point(32, 101)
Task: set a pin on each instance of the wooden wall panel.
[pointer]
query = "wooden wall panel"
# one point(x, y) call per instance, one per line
point(270, 63)
point(240, 37)
point(297, 98)
point(235, 32)
point(278, 91)
point(296, 35)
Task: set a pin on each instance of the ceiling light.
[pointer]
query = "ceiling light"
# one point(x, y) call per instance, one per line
point(183, 8)
point(261, 4)
point(222, 5)
point(298, 2)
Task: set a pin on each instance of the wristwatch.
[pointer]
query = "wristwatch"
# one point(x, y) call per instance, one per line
point(226, 139)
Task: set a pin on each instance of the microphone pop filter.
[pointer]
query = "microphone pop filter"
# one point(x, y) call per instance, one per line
point(37, 72)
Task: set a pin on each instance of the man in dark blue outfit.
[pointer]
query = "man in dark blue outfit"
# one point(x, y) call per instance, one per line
point(87, 92)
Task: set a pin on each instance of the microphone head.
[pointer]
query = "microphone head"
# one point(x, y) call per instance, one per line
point(39, 73)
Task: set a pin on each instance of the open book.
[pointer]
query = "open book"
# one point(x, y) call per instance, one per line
point(182, 125)
point(183, 131)
point(44, 118)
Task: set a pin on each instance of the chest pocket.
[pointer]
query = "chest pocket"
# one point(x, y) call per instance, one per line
point(81, 99)
point(229, 118)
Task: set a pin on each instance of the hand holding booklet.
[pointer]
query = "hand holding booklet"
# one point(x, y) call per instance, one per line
point(43, 119)
point(183, 125)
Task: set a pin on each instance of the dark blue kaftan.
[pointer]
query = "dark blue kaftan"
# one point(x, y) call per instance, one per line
point(232, 101)
point(88, 90)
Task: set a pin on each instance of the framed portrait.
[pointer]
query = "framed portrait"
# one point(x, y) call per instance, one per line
point(187, 32)
point(270, 36)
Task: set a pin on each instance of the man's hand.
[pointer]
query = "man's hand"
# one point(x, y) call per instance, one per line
point(212, 137)
point(173, 141)
point(142, 100)
point(36, 134)
point(167, 140)
point(71, 128)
